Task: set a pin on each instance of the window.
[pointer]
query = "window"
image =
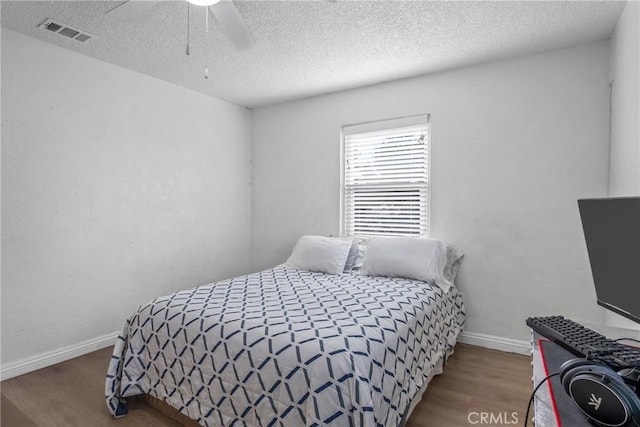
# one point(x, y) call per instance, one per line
point(385, 178)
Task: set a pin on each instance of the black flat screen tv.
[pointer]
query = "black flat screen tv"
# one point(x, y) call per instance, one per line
point(612, 233)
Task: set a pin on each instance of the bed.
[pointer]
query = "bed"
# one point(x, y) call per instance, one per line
point(288, 347)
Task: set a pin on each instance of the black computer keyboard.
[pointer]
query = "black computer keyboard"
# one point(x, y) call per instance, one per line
point(583, 342)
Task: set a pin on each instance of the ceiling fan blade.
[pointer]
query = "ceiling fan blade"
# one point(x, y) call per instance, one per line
point(130, 8)
point(232, 24)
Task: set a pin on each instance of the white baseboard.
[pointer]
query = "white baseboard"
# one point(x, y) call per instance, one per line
point(496, 343)
point(49, 358)
point(52, 357)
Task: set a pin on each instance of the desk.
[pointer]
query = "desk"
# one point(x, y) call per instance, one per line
point(552, 406)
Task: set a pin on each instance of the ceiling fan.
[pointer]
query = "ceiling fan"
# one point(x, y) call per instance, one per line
point(224, 11)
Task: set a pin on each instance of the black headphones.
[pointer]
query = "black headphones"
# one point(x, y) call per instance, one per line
point(600, 393)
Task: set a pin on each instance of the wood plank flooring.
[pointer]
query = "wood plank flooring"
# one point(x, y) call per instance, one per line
point(475, 380)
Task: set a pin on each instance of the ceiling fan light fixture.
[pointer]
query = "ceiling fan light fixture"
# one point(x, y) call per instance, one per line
point(203, 2)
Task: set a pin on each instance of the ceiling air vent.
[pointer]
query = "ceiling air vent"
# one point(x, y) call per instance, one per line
point(66, 31)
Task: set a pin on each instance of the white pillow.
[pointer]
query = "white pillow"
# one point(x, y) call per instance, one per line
point(406, 257)
point(318, 253)
point(357, 265)
point(352, 259)
point(454, 261)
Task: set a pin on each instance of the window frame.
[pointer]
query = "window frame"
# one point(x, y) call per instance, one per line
point(381, 125)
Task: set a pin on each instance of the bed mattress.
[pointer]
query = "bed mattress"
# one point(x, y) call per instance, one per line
point(287, 347)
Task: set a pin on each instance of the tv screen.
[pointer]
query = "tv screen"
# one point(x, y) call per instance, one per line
point(612, 233)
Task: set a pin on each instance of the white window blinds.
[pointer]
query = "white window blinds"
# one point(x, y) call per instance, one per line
point(386, 182)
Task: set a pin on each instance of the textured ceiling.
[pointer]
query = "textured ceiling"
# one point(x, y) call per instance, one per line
point(305, 48)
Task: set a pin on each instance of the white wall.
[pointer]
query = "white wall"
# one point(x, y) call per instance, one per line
point(624, 169)
point(116, 188)
point(514, 145)
point(624, 173)
point(0, 182)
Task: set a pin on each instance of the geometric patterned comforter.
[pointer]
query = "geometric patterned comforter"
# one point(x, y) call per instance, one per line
point(287, 347)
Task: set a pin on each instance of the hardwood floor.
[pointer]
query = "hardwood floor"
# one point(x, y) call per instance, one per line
point(475, 380)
